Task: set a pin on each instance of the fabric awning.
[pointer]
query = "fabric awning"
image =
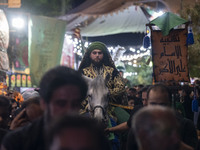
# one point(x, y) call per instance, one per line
point(131, 19)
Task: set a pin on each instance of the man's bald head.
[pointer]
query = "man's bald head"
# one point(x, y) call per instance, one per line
point(156, 127)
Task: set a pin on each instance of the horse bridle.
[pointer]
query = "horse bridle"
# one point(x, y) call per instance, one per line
point(105, 120)
point(104, 112)
point(99, 106)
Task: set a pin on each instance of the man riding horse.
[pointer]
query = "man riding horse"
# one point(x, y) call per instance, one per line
point(97, 61)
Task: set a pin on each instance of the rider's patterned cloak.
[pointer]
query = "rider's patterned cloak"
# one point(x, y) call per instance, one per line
point(114, 82)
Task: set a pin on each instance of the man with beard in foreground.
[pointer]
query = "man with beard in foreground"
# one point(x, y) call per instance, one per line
point(61, 89)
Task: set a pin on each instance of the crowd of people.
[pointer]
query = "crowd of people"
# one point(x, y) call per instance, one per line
point(51, 117)
point(168, 97)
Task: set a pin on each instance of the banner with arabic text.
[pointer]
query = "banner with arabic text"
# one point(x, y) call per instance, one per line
point(169, 54)
point(46, 36)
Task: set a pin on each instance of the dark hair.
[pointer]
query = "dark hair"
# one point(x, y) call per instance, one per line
point(144, 89)
point(162, 88)
point(78, 122)
point(4, 101)
point(197, 89)
point(6, 105)
point(132, 90)
point(131, 98)
point(61, 76)
point(187, 89)
point(140, 86)
point(33, 100)
point(12, 100)
point(197, 82)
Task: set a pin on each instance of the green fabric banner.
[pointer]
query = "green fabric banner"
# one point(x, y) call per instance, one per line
point(46, 36)
point(168, 21)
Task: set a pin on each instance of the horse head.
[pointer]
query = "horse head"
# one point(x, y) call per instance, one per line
point(98, 94)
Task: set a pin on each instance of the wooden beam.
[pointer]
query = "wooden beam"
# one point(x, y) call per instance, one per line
point(3, 3)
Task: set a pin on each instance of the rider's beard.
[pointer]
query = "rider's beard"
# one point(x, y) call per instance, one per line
point(96, 63)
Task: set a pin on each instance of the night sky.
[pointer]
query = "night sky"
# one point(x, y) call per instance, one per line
point(123, 39)
point(76, 3)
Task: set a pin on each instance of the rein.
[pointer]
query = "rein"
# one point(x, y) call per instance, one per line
point(122, 106)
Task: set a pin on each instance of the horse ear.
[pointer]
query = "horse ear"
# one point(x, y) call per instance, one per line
point(87, 79)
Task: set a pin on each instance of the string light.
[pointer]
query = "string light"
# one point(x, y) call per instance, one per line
point(132, 49)
point(134, 65)
point(129, 63)
point(139, 53)
point(86, 44)
point(126, 74)
point(128, 57)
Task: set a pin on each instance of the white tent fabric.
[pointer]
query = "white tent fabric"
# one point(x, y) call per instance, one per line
point(75, 21)
point(104, 17)
point(131, 19)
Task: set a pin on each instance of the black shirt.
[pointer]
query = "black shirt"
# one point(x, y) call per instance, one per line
point(30, 137)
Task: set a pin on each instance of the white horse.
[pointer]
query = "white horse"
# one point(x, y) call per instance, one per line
point(98, 99)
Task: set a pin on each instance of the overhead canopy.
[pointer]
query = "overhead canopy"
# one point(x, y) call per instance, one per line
point(99, 7)
point(131, 19)
point(106, 17)
point(102, 7)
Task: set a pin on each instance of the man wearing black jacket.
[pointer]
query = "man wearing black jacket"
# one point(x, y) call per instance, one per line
point(159, 94)
point(62, 90)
